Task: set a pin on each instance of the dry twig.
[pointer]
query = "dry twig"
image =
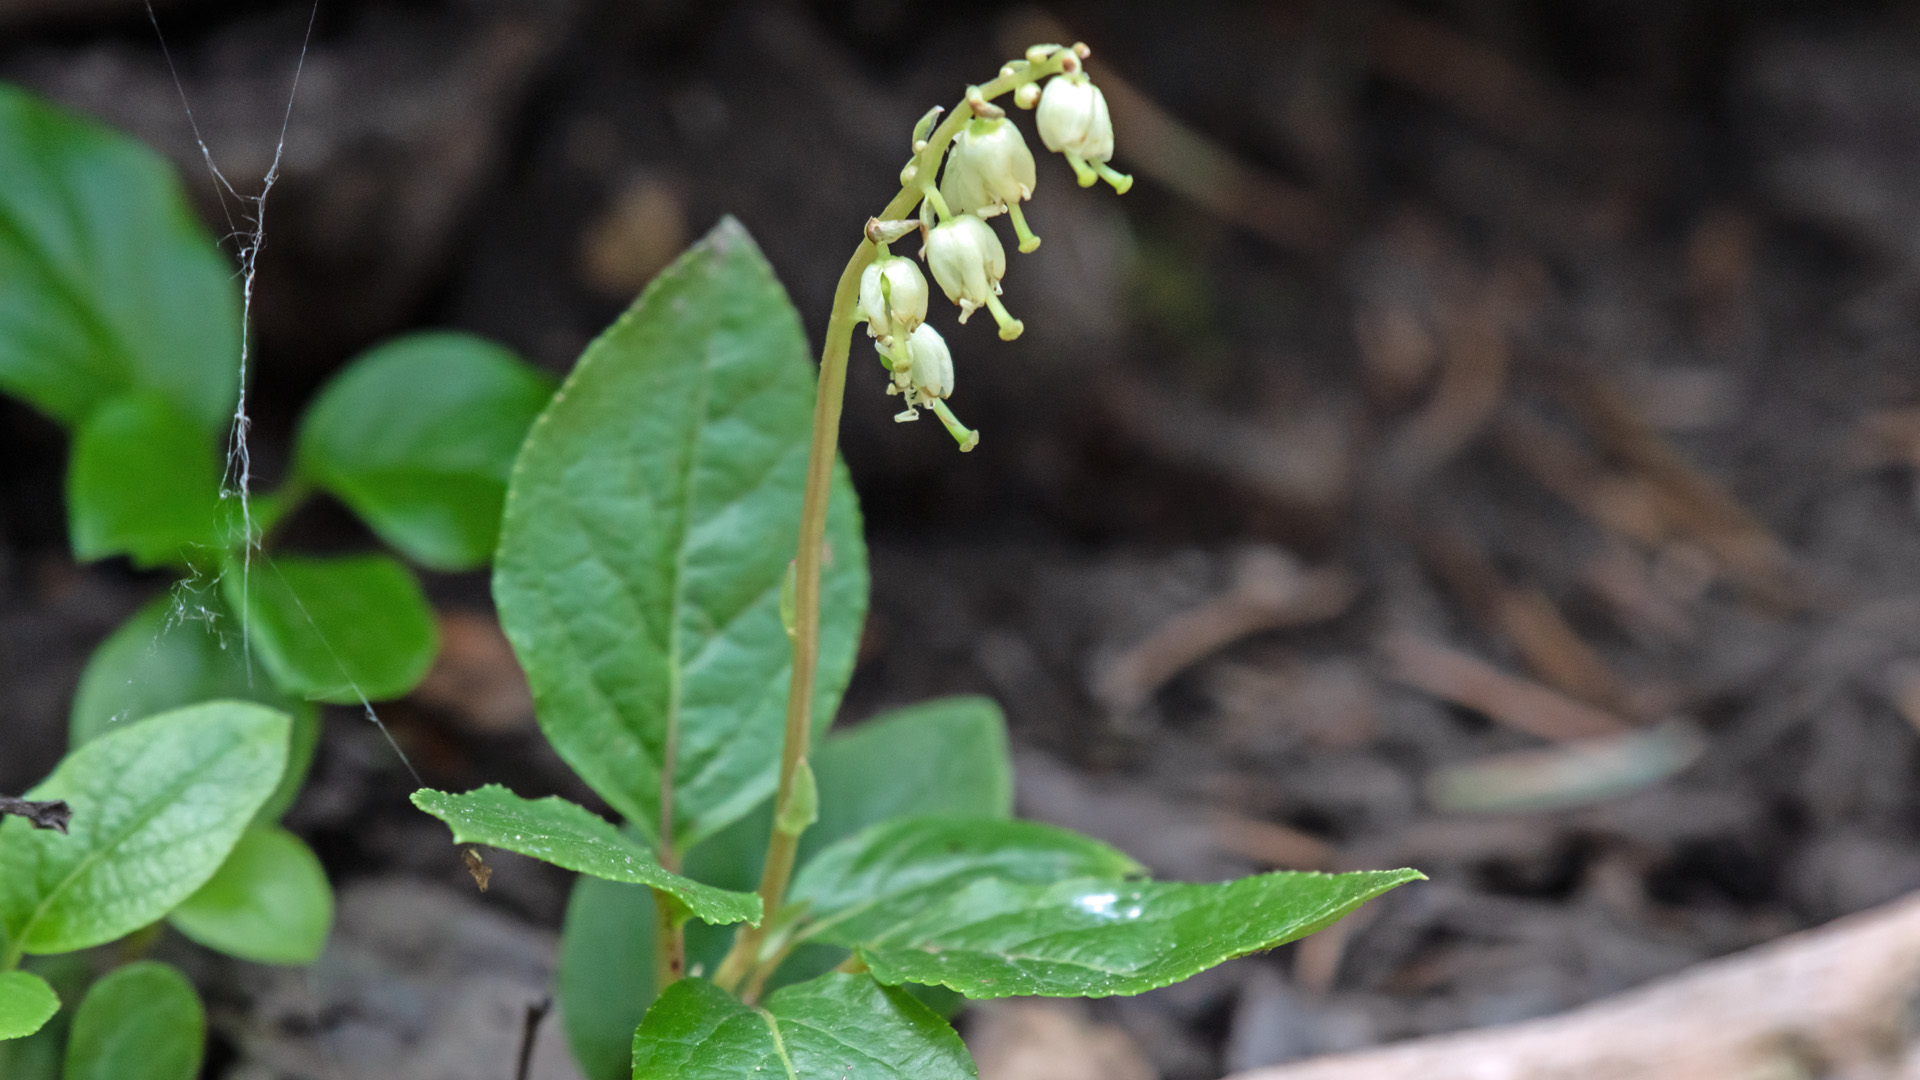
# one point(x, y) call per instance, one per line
point(1516, 702)
point(1269, 591)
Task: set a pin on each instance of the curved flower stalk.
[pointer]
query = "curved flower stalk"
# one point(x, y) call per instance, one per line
point(991, 170)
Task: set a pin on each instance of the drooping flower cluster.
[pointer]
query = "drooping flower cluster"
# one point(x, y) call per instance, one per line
point(989, 171)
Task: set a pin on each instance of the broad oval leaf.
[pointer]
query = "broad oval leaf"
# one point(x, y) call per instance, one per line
point(835, 1027)
point(418, 435)
point(872, 882)
point(107, 283)
point(604, 980)
point(157, 805)
point(26, 1004)
point(269, 902)
point(942, 757)
point(571, 836)
point(139, 1022)
point(142, 481)
point(182, 649)
point(339, 630)
point(1096, 938)
point(649, 523)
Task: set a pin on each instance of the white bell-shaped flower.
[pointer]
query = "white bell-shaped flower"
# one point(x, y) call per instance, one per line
point(1073, 122)
point(968, 262)
point(929, 366)
point(990, 169)
point(893, 297)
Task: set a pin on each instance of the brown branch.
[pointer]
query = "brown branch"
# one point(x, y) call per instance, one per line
point(1832, 1002)
point(1516, 702)
point(52, 814)
point(1269, 591)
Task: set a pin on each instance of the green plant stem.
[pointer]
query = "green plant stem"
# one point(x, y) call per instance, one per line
point(821, 454)
point(670, 951)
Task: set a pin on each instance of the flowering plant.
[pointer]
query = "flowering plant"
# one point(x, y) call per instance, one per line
point(779, 902)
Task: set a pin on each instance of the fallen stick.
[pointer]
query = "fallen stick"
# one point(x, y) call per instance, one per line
point(1519, 703)
point(1833, 1001)
point(1269, 591)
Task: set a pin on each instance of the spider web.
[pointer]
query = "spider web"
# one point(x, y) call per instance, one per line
point(246, 217)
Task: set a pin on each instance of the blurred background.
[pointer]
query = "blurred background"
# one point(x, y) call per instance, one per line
point(1485, 440)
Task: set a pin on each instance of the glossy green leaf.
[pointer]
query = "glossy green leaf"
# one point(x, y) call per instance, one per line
point(268, 903)
point(605, 976)
point(157, 805)
point(143, 481)
point(182, 649)
point(417, 435)
point(1095, 938)
point(649, 523)
point(884, 876)
point(107, 283)
point(570, 836)
point(836, 1027)
point(26, 1004)
point(139, 1022)
point(336, 630)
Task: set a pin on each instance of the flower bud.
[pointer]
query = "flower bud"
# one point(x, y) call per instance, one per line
point(988, 169)
point(893, 297)
point(1073, 119)
point(967, 260)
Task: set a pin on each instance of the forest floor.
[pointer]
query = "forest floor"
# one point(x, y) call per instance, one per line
point(1482, 441)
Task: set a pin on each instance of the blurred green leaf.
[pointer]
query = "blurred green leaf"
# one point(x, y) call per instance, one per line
point(39, 1056)
point(605, 977)
point(1095, 938)
point(269, 902)
point(157, 805)
point(182, 649)
point(336, 629)
point(568, 835)
point(836, 1027)
point(143, 481)
point(26, 1004)
point(107, 283)
point(139, 1022)
point(649, 523)
point(941, 757)
point(418, 435)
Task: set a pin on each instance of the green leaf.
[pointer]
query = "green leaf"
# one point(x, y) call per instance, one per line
point(878, 879)
point(268, 903)
point(336, 629)
point(570, 836)
point(38, 1056)
point(1095, 938)
point(836, 1027)
point(649, 523)
point(143, 481)
point(157, 805)
point(418, 435)
point(26, 1004)
point(107, 283)
point(139, 1022)
point(941, 757)
point(182, 649)
point(605, 976)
